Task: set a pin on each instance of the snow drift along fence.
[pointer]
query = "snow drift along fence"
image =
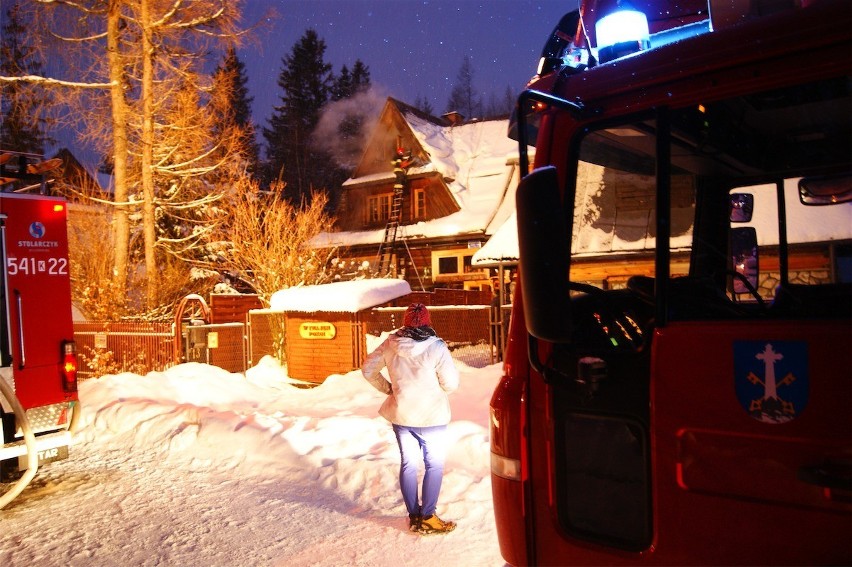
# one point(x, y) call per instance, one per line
point(106, 347)
point(110, 347)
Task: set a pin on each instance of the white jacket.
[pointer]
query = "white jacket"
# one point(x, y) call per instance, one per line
point(421, 375)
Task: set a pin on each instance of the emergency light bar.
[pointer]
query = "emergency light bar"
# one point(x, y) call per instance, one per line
point(621, 33)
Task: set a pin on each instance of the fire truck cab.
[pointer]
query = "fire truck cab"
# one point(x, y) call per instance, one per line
point(39, 406)
point(678, 376)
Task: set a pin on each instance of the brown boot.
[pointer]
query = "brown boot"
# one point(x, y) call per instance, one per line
point(435, 525)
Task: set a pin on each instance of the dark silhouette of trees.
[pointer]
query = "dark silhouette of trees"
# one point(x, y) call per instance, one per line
point(23, 118)
point(306, 82)
point(422, 103)
point(321, 117)
point(463, 98)
point(501, 106)
point(360, 77)
point(231, 103)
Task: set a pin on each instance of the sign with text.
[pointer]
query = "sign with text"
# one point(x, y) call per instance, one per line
point(317, 330)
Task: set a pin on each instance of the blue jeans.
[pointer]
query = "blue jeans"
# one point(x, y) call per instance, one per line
point(430, 444)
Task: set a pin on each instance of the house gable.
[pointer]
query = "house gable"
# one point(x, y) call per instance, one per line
point(368, 195)
point(391, 131)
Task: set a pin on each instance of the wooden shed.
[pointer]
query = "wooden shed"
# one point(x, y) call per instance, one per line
point(323, 324)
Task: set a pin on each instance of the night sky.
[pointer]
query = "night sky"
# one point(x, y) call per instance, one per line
point(413, 48)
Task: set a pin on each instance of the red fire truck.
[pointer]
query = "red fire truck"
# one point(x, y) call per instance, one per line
point(38, 375)
point(690, 404)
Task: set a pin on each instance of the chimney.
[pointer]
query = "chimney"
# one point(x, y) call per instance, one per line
point(453, 117)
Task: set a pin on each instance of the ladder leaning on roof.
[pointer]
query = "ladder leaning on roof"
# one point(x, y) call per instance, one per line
point(386, 249)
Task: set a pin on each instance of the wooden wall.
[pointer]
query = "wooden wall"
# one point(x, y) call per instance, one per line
point(313, 360)
point(232, 307)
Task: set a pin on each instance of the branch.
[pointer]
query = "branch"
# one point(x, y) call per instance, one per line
point(36, 80)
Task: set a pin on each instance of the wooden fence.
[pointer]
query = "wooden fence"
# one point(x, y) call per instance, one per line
point(240, 335)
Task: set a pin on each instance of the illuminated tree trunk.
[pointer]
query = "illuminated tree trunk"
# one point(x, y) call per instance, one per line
point(148, 219)
point(121, 225)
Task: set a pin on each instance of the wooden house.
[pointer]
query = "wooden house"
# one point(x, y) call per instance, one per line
point(427, 193)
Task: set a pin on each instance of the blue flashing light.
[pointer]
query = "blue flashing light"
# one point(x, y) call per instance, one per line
point(622, 26)
point(621, 33)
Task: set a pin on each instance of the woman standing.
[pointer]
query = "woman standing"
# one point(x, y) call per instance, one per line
point(421, 373)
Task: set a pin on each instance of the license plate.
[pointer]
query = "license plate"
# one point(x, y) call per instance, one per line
point(45, 456)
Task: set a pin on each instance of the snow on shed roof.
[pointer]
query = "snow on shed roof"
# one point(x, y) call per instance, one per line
point(339, 297)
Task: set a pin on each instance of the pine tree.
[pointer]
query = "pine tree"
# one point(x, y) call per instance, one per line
point(463, 98)
point(306, 82)
point(22, 107)
point(349, 86)
point(231, 103)
point(501, 106)
point(360, 77)
point(422, 103)
point(343, 85)
point(340, 129)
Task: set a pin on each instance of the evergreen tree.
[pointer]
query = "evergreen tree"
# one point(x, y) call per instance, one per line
point(348, 84)
point(501, 106)
point(341, 125)
point(463, 98)
point(360, 77)
point(343, 85)
point(232, 104)
point(22, 106)
point(422, 103)
point(306, 81)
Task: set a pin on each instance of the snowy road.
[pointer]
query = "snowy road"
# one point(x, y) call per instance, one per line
point(196, 466)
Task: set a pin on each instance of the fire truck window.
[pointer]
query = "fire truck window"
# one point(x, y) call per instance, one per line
point(843, 253)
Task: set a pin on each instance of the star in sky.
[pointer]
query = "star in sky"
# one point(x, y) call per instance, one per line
point(413, 48)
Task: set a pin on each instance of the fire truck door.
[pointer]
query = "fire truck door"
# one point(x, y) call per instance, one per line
point(745, 412)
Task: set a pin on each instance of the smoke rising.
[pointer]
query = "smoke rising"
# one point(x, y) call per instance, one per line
point(346, 125)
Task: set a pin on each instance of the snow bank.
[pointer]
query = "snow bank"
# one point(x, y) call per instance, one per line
point(197, 466)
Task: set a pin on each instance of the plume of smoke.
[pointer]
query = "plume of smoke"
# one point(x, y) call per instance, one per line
point(346, 125)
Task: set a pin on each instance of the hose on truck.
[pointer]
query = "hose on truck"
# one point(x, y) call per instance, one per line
point(29, 439)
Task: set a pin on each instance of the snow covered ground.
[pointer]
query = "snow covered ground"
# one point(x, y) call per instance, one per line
point(197, 466)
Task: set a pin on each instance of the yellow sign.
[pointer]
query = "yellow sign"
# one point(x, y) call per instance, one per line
point(317, 330)
point(212, 339)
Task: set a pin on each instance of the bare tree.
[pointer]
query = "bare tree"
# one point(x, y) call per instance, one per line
point(267, 240)
point(145, 54)
point(463, 97)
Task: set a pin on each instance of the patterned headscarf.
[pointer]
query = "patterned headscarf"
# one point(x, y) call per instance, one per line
point(417, 323)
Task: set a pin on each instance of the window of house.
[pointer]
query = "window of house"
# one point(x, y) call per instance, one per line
point(378, 207)
point(448, 265)
point(468, 263)
point(418, 203)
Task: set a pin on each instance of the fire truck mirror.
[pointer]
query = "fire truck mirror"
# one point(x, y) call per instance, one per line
point(825, 190)
point(741, 206)
point(745, 257)
point(545, 256)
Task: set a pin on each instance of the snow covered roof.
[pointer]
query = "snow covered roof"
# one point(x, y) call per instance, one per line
point(339, 297)
point(502, 247)
point(600, 236)
point(479, 163)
